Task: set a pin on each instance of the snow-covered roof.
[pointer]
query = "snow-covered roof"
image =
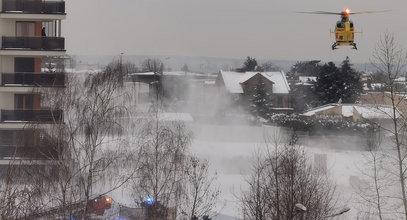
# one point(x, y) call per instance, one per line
point(172, 73)
point(142, 74)
point(347, 110)
point(373, 85)
point(283, 109)
point(233, 81)
point(182, 73)
point(376, 112)
point(80, 71)
point(305, 79)
point(318, 109)
point(304, 84)
point(366, 111)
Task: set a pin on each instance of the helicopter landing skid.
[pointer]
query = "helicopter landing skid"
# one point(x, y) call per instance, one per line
point(334, 45)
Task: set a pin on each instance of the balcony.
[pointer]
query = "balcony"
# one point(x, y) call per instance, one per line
point(33, 79)
point(33, 7)
point(35, 116)
point(30, 152)
point(27, 144)
point(33, 43)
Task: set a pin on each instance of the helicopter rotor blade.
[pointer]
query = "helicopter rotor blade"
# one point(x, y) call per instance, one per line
point(319, 12)
point(368, 12)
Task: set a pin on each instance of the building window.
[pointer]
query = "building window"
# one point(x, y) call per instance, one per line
point(24, 28)
point(24, 101)
point(24, 65)
point(9, 138)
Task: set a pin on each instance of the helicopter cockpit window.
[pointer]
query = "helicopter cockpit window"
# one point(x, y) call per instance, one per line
point(340, 24)
point(351, 24)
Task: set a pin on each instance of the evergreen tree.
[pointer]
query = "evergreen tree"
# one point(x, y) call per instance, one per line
point(352, 86)
point(250, 64)
point(335, 84)
point(185, 68)
point(261, 100)
point(303, 97)
point(327, 84)
point(306, 68)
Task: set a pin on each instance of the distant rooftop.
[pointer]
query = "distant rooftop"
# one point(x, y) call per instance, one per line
point(365, 110)
point(172, 73)
point(233, 81)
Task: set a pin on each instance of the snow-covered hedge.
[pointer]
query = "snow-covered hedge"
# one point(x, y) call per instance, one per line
point(300, 123)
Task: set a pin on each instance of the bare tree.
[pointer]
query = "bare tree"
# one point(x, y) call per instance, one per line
point(374, 197)
point(153, 65)
point(91, 153)
point(54, 64)
point(20, 191)
point(200, 194)
point(389, 58)
point(254, 201)
point(98, 144)
point(124, 67)
point(85, 156)
point(283, 179)
point(161, 157)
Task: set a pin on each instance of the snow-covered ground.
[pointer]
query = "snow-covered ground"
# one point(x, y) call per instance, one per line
point(230, 150)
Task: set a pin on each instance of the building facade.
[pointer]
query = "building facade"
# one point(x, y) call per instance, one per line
point(30, 38)
point(240, 86)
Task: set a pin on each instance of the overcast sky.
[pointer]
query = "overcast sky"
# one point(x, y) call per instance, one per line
point(265, 29)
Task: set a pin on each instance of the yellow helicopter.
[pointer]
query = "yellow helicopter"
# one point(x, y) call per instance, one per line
point(344, 28)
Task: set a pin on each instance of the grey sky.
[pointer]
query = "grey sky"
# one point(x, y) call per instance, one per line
point(265, 29)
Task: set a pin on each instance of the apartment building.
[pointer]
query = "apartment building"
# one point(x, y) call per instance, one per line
point(30, 34)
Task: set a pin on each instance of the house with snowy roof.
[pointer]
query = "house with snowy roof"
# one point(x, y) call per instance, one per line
point(385, 98)
point(354, 112)
point(241, 87)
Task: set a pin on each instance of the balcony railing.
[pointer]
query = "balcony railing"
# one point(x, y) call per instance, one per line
point(39, 116)
point(33, 43)
point(29, 144)
point(33, 79)
point(34, 7)
point(28, 152)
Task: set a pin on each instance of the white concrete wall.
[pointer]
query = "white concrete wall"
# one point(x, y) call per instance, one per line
point(8, 27)
point(6, 64)
point(6, 100)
